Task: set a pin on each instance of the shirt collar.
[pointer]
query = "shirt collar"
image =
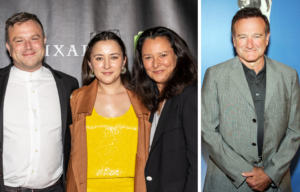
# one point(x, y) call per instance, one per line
point(246, 69)
point(27, 75)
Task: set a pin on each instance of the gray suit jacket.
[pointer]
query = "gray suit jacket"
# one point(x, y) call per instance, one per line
point(229, 131)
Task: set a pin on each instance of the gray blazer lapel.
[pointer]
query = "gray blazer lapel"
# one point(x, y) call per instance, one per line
point(271, 81)
point(4, 74)
point(164, 118)
point(63, 98)
point(237, 74)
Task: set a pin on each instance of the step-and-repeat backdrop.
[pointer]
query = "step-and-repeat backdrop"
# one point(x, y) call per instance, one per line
point(216, 44)
point(68, 24)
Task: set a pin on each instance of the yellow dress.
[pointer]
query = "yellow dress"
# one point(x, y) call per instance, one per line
point(111, 148)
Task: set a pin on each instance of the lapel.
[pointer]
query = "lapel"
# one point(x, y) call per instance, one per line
point(164, 118)
point(4, 74)
point(63, 99)
point(83, 106)
point(137, 105)
point(271, 81)
point(237, 74)
point(89, 98)
point(142, 114)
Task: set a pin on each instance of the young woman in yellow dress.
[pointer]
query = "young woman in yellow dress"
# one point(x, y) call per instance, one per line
point(110, 130)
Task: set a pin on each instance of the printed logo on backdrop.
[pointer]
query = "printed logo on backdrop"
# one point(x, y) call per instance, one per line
point(263, 5)
point(73, 50)
point(65, 50)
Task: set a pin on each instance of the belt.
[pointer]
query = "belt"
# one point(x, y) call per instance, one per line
point(23, 189)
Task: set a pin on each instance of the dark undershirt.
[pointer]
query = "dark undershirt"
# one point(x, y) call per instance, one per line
point(257, 86)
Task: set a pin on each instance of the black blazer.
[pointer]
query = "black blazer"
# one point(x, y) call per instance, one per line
point(65, 86)
point(172, 163)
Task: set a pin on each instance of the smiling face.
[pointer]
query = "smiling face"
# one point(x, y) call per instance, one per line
point(26, 45)
point(107, 61)
point(159, 59)
point(251, 41)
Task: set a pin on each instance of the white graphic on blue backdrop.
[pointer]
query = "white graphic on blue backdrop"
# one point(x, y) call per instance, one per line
point(263, 5)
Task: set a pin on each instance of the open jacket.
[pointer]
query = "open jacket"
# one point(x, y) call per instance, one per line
point(172, 165)
point(229, 128)
point(65, 85)
point(82, 103)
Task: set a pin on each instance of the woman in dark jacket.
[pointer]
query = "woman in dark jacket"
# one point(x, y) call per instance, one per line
point(165, 79)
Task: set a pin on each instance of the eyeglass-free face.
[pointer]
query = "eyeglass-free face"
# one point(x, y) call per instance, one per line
point(26, 45)
point(107, 61)
point(159, 60)
point(250, 41)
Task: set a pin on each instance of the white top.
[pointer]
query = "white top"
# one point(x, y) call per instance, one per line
point(156, 117)
point(32, 135)
point(153, 128)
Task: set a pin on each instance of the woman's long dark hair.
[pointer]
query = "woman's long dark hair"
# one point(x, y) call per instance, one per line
point(185, 73)
point(103, 36)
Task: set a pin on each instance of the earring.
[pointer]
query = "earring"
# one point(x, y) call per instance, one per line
point(91, 74)
point(123, 70)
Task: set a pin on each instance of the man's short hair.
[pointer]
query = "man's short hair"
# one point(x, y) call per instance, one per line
point(249, 12)
point(21, 18)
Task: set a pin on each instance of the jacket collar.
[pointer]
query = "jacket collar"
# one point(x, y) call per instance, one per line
point(6, 69)
point(88, 98)
point(138, 106)
point(52, 70)
point(238, 76)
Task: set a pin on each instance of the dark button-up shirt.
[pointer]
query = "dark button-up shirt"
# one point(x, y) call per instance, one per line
point(257, 86)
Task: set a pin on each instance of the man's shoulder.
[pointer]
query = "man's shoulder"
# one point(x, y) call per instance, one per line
point(225, 65)
point(7, 66)
point(280, 65)
point(281, 68)
point(5, 69)
point(222, 70)
point(64, 76)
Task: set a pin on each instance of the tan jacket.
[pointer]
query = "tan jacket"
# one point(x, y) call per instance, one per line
point(82, 103)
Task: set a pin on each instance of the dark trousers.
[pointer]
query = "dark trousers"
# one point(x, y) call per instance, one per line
point(57, 187)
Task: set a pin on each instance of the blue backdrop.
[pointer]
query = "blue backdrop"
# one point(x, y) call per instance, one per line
point(216, 47)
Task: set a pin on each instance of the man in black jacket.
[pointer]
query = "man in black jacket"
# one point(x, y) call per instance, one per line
point(34, 112)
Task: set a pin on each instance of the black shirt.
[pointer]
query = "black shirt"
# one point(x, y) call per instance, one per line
point(257, 86)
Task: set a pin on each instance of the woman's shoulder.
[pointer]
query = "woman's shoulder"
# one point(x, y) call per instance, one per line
point(190, 89)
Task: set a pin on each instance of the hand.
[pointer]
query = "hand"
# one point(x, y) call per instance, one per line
point(257, 179)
